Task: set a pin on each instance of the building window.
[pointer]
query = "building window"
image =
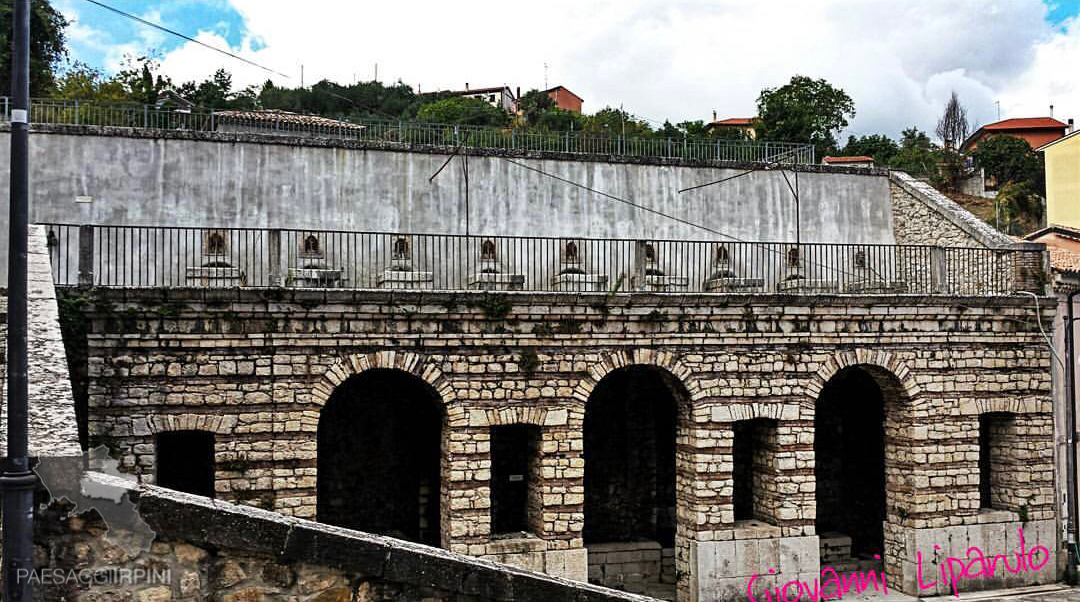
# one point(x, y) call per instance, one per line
point(996, 467)
point(185, 461)
point(754, 451)
point(515, 478)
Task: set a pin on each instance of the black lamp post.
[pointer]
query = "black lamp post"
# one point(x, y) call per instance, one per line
point(17, 482)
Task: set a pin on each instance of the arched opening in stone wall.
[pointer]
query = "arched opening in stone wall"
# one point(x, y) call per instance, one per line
point(851, 442)
point(379, 448)
point(631, 422)
point(185, 461)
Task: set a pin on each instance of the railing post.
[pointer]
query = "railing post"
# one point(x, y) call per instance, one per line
point(274, 243)
point(938, 273)
point(86, 256)
point(638, 281)
point(76, 112)
point(145, 116)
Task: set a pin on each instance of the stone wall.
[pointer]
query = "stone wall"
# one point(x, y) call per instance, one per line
point(256, 367)
point(924, 216)
point(52, 407)
point(211, 550)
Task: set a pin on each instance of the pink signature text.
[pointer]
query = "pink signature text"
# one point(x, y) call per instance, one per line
point(973, 565)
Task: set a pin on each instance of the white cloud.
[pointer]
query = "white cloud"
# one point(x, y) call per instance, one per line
point(679, 59)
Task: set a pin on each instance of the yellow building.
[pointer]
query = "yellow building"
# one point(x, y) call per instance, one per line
point(1063, 180)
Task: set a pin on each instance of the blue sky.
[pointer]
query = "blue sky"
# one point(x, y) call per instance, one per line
point(658, 58)
point(110, 29)
point(1060, 10)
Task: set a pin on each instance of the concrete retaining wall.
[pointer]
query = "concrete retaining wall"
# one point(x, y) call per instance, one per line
point(120, 176)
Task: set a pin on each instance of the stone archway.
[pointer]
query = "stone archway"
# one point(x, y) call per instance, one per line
point(637, 413)
point(862, 403)
point(380, 445)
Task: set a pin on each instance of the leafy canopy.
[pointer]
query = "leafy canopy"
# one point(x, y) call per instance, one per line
point(804, 110)
point(463, 110)
point(46, 46)
point(1010, 160)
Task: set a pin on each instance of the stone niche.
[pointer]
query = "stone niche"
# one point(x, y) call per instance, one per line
point(401, 274)
point(215, 271)
point(573, 275)
point(314, 273)
point(865, 278)
point(650, 277)
point(490, 275)
point(724, 279)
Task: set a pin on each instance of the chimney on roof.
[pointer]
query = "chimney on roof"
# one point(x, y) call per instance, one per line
point(1051, 111)
point(714, 115)
point(518, 94)
point(467, 89)
point(1069, 129)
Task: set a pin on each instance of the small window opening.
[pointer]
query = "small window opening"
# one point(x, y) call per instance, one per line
point(650, 252)
point(994, 460)
point(721, 255)
point(185, 461)
point(515, 478)
point(754, 449)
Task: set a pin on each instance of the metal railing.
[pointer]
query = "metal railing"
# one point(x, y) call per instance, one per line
point(74, 112)
point(134, 256)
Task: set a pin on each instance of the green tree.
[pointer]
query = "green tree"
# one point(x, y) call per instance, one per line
point(617, 122)
point(463, 110)
point(140, 79)
point(559, 120)
point(804, 110)
point(79, 81)
point(917, 155)
point(46, 46)
point(1010, 160)
point(533, 104)
point(882, 148)
point(1018, 208)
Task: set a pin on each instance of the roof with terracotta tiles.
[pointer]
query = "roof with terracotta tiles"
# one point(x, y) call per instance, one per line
point(287, 117)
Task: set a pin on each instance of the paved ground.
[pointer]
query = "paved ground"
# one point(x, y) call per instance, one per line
point(1060, 593)
point(1048, 593)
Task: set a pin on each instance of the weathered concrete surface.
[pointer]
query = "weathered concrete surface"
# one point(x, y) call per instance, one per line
point(226, 180)
point(53, 429)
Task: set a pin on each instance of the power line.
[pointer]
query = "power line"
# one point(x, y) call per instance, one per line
point(768, 247)
point(188, 38)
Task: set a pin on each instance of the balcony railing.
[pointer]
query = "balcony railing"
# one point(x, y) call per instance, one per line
point(133, 256)
point(449, 136)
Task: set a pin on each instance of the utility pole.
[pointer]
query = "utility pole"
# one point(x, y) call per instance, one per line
point(17, 481)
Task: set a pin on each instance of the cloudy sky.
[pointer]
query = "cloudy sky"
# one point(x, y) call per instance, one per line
point(677, 59)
